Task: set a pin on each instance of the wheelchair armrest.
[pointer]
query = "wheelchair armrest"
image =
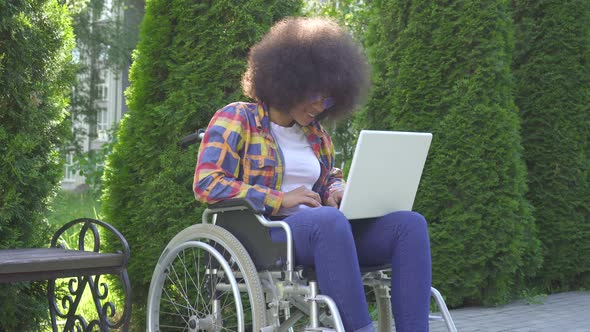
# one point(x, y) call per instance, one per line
point(246, 203)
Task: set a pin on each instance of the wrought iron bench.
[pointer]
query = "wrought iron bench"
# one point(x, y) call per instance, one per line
point(85, 267)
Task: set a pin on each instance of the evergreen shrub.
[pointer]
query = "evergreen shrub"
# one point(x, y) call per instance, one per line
point(552, 71)
point(188, 64)
point(445, 68)
point(35, 76)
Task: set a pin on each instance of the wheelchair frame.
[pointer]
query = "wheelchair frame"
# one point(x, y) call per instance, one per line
point(280, 283)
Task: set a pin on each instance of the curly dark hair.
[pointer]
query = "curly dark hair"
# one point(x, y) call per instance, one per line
point(302, 58)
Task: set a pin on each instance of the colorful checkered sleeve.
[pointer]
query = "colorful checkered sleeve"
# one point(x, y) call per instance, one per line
point(219, 167)
point(334, 180)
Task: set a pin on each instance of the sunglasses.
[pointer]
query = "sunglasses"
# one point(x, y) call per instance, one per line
point(326, 102)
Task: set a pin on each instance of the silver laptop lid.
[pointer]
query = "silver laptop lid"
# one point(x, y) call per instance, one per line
point(385, 173)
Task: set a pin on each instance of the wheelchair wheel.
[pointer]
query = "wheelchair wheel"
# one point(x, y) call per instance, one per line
point(205, 281)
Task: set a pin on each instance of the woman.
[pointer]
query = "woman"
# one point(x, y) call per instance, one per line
point(276, 153)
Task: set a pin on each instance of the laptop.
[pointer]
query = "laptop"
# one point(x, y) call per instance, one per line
point(385, 173)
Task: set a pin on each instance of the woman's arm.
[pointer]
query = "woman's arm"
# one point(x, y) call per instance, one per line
point(219, 163)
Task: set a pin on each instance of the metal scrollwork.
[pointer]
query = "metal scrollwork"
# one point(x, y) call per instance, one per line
point(68, 313)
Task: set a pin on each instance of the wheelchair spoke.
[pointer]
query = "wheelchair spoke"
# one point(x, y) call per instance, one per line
point(179, 289)
point(174, 327)
point(183, 292)
point(186, 293)
point(225, 328)
point(175, 305)
point(184, 270)
point(172, 313)
point(200, 286)
point(187, 273)
point(197, 312)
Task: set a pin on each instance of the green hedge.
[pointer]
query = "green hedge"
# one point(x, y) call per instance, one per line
point(35, 76)
point(552, 71)
point(445, 68)
point(188, 64)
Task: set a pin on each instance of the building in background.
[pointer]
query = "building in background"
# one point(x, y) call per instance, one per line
point(98, 102)
point(110, 105)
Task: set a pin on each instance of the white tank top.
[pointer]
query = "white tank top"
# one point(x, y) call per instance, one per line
point(302, 167)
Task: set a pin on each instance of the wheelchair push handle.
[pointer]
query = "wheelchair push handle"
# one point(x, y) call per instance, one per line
point(191, 139)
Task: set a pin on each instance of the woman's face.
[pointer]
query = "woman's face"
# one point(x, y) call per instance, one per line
point(306, 112)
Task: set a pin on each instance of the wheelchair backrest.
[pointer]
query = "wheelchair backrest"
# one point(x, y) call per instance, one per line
point(266, 254)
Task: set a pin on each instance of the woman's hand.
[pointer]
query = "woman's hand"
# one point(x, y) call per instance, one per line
point(335, 198)
point(301, 195)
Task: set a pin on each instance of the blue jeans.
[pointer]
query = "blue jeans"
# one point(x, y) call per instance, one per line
point(325, 239)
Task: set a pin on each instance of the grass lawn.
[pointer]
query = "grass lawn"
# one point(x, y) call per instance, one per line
point(68, 206)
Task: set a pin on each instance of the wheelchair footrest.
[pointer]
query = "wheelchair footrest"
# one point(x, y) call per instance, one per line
point(270, 328)
point(436, 318)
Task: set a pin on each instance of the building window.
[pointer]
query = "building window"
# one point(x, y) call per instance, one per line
point(102, 124)
point(102, 91)
point(70, 172)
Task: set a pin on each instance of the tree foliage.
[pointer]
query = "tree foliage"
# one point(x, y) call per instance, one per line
point(188, 63)
point(552, 71)
point(445, 68)
point(35, 74)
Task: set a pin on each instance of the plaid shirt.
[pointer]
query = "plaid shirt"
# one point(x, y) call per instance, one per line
point(240, 158)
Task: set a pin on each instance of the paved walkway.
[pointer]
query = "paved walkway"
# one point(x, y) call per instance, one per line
point(563, 312)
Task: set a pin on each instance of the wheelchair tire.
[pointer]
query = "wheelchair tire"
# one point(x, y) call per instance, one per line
point(194, 284)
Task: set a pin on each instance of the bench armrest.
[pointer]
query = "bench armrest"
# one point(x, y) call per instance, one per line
point(97, 263)
point(90, 225)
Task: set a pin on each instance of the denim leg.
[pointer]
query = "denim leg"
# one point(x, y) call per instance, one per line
point(402, 239)
point(323, 239)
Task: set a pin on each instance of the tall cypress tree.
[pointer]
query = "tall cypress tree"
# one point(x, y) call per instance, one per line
point(36, 40)
point(188, 64)
point(552, 71)
point(445, 68)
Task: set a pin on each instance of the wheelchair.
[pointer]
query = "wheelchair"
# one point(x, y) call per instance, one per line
point(226, 274)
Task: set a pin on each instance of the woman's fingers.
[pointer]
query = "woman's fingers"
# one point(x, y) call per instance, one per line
point(309, 197)
point(314, 195)
point(301, 195)
point(311, 201)
point(337, 195)
point(331, 202)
